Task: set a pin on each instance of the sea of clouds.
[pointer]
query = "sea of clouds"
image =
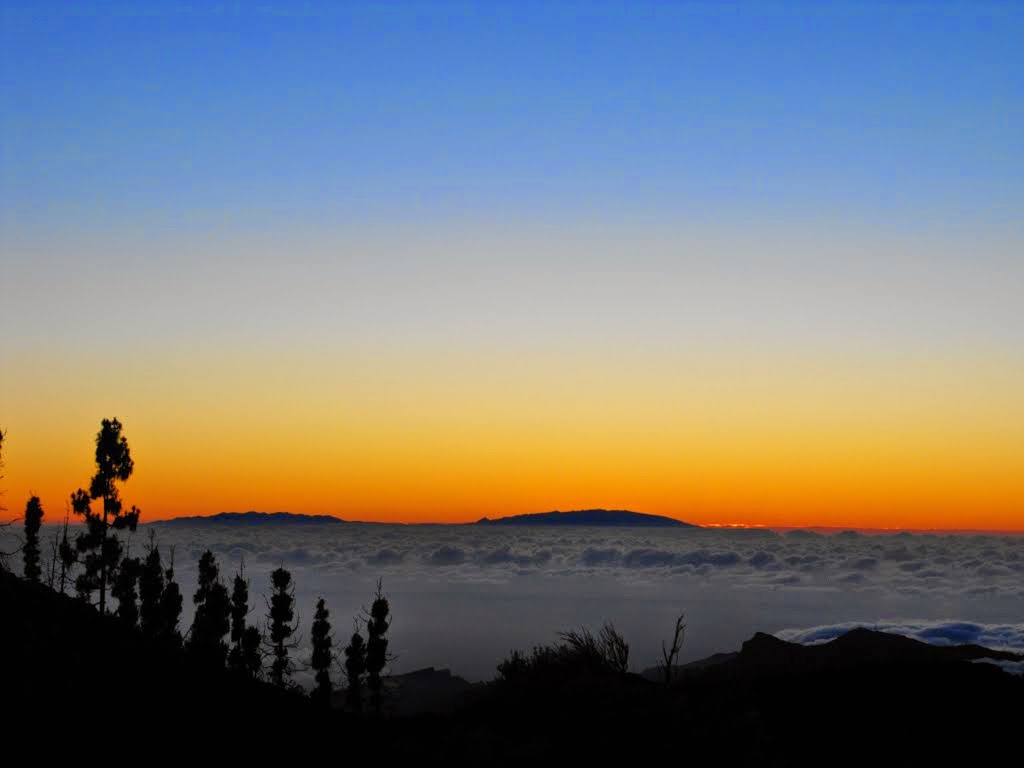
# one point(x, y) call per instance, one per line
point(463, 596)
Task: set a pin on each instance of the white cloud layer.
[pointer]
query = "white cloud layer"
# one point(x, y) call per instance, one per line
point(462, 596)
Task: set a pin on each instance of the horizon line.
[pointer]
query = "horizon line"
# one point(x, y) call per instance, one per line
point(812, 527)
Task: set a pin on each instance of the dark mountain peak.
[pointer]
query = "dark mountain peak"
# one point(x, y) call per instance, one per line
point(764, 650)
point(765, 653)
point(254, 518)
point(605, 517)
point(862, 638)
point(762, 642)
point(870, 644)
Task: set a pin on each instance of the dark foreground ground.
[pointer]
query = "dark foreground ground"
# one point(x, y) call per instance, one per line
point(79, 682)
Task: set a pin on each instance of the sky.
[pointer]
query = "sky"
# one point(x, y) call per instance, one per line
point(730, 262)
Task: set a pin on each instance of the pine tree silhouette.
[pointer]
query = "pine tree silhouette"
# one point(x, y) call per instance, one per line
point(30, 552)
point(151, 591)
point(51, 578)
point(279, 622)
point(252, 656)
point(126, 580)
point(67, 553)
point(239, 610)
point(322, 654)
point(101, 548)
point(213, 614)
point(170, 608)
point(376, 646)
point(355, 668)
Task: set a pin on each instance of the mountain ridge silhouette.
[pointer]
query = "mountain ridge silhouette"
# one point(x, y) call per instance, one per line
point(252, 518)
point(581, 517)
point(598, 517)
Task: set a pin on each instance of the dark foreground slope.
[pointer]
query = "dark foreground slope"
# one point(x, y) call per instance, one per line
point(59, 653)
point(865, 699)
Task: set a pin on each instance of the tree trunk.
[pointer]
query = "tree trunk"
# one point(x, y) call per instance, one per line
point(103, 561)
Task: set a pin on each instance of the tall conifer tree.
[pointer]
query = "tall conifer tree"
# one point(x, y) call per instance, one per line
point(239, 611)
point(67, 552)
point(213, 614)
point(377, 646)
point(151, 592)
point(125, 589)
point(30, 552)
point(281, 628)
point(355, 669)
point(99, 545)
point(170, 607)
point(322, 654)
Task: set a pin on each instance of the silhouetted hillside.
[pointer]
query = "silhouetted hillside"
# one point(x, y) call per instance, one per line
point(766, 654)
point(56, 648)
point(866, 698)
point(423, 691)
point(252, 518)
point(616, 517)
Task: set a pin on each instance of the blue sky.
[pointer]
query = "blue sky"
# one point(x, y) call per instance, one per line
point(192, 118)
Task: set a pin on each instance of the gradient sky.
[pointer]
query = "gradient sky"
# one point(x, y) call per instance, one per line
point(730, 262)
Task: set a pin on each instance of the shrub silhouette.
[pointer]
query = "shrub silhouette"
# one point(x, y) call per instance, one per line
point(609, 650)
point(30, 551)
point(281, 629)
point(322, 654)
point(580, 652)
point(213, 614)
point(101, 548)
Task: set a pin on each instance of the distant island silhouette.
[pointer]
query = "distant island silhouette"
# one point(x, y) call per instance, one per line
point(254, 518)
point(582, 517)
point(607, 517)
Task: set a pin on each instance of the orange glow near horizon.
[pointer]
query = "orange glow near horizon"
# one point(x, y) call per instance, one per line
point(756, 266)
point(407, 438)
